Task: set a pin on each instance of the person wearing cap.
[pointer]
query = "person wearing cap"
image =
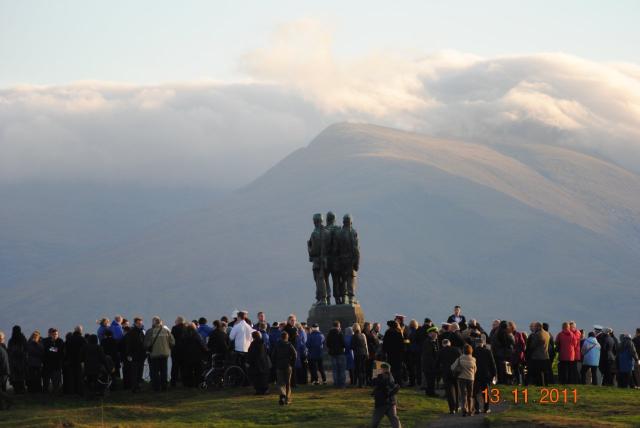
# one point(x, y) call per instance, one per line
point(486, 370)
point(315, 344)
point(446, 357)
point(385, 401)
point(429, 361)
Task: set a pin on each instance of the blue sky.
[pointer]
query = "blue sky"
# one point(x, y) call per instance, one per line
point(56, 42)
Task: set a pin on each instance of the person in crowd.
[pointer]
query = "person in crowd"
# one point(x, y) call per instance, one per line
point(159, 341)
point(565, 342)
point(376, 329)
point(373, 345)
point(204, 330)
point(348, 353)
point(486, 370)
point(465, 370)
point(574, 372)
point(263, 328)
point(538, 354)
point(94, 360)
point(35, 355)
point(393, 347)
point(315, 345)
point(116, 328)
point(474, 334)
point(74, 349)
point(519, 350)
point(302, 358)
point(52, 361)
point(284, 360)
point(292, 331)
point(5, 372)
point(429, 361)
point(259, 364)
point(457, 317)
point(219, 344)
point(495, 326)
point(607, 363)
point(261, 318)
point(627, 359)
point(136, 353)
point(178, 354)
point(549, 377)
point(111, 349)
point(446, 357)
point(385, 401)
point(192, 352)
point(360, 356)
point(590, 359)
point(636, 370)
point(336, 348)
point(412, 354)
point(103, 325)
point(17, 351)
point(502, 346)
point(454, 335)
point(241, 337)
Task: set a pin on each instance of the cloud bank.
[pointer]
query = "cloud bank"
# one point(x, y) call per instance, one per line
point(223, 135)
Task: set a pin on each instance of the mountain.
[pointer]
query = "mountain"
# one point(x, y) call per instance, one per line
point(522, 232)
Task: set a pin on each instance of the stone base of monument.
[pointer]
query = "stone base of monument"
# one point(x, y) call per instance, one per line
point(325, 315)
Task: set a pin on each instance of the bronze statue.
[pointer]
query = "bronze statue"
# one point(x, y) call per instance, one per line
point(317, 245)
point(333, 269)
point(348, 253)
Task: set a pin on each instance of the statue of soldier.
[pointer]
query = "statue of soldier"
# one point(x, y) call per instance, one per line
point(348, 252)
point(332, 260)
point(317, 246)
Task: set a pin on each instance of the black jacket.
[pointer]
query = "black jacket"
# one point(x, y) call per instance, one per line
point(257, 358)
point(446, 357)
point(74, 348)
point(393, 344)
point(385, 390)
point(335, 342)
point(192, 348)
point(218, 342)
point(454, 337)
point(53, 353)
point(485, 364)
point(607, 349)
point(134, 344)
point(5, 370)
point(293, 333)
point(35, 354)
point(110, 346)
point(178, 331)
point(93, 358)
point(429, 356)
point(285, 355)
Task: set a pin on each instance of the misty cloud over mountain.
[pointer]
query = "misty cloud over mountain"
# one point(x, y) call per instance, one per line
point(223, 135)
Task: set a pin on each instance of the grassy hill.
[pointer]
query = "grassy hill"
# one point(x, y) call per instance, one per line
point(321, 406)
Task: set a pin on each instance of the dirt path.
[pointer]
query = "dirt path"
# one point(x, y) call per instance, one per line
point(458, 420)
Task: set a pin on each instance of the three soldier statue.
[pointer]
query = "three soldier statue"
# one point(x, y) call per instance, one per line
point(335, 254)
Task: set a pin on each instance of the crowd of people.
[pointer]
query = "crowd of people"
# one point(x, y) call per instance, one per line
point(458, 355)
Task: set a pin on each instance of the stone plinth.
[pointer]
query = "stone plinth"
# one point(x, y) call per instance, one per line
point(324, 315)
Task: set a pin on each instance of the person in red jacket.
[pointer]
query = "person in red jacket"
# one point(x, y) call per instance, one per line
point(574, 375)
point(567, 358)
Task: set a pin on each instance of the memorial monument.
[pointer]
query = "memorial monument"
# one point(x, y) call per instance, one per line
point(334, 253)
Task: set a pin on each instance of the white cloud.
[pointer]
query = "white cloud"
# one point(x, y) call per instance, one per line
point(224, 134)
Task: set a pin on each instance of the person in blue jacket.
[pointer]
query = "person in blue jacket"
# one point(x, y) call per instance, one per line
point(204, 330)
point(590, 352)
point(116, 328)
point(315, 344)
point(348, 352)
point(302, 363)
point(627, 358)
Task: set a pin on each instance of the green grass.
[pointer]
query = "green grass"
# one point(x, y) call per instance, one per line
point(596, 407)
point(313, 406)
